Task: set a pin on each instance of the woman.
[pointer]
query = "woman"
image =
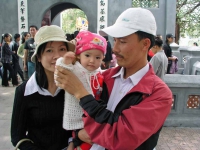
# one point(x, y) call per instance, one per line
point(168, 51)
point(159, 61)
point(38, 104)
point(7, 60)
point(20, 52)
point(25, 37)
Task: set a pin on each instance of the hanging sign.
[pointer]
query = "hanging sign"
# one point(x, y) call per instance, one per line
point(102, 14)
point(22, 16)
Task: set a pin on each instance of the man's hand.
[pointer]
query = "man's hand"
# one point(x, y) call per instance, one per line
point(71, 146)
point(83, 136)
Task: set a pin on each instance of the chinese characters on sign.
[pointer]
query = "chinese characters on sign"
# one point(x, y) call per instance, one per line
point(102, 14)
point(22, 16)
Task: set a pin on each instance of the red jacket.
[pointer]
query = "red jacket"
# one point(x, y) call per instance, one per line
point(137, 119)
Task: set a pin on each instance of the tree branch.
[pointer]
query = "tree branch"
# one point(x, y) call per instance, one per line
point(191, 10)
point(181, 5)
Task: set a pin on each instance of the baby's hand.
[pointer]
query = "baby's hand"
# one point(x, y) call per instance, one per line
point(69, 57)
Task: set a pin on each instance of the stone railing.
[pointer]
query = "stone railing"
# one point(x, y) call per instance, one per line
point(187, 56)
point(185, 110)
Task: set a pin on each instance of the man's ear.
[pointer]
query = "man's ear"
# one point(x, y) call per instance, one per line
point(146, 44)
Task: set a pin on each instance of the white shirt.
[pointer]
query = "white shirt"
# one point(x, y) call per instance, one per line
point(123, 86)
point(32, 87)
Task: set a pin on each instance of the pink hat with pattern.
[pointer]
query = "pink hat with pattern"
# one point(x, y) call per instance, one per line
point(86, 40)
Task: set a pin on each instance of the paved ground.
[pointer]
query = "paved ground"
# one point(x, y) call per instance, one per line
point(170, 138)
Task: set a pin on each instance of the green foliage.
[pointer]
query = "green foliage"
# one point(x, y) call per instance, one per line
point(69, 17)
point(188, 16)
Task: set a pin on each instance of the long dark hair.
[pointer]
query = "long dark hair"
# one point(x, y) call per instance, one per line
point(4, 36)
point(24, 34)
point(158, 41)
point(41, 77)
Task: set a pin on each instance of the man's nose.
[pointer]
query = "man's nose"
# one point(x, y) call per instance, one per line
point(115, 47)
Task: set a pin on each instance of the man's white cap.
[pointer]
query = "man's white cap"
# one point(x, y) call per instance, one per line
point(131, 21)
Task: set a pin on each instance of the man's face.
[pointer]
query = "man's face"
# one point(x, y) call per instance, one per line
point(130, 51)
point(18, 39)
point(33, 31)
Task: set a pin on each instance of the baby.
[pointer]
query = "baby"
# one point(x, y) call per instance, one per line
point(90, 51)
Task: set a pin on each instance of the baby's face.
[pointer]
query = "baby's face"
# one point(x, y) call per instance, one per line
point(91, 59)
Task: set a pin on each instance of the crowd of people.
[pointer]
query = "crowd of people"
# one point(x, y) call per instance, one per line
point(25, 51)
point(11, 51)
point(79, 92)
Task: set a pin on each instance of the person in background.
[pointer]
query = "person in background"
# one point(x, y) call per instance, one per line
point(0, 69)
point(108, 56)
point(20, 51)
point(135, 102)
point(195, 44)
point(150, 52)
point(11, 57)
point(69, 37)
point(16, 66)
point(168, 51)
point(159, 61)
point(150, 55)
point(160, 36)
point(38, 103)
point(113, 62)
point(0, 64)
point(6, 61)
point(73, 41)
point(29, 48)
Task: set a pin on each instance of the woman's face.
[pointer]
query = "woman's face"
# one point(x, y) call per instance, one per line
point(27, 37)
point(7, 39)
point(51, 53)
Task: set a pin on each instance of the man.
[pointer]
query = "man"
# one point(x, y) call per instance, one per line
point(168, 51)
point(16, 66)
point(135, 102)
point(159, 61)
point(29, 49)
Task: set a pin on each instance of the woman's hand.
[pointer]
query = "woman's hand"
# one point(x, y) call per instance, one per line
point(71, 146)
point(68, 81)
point(83, 136)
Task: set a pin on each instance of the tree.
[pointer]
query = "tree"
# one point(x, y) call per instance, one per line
point(187, 18)
point(145, 3)
point(69, 17)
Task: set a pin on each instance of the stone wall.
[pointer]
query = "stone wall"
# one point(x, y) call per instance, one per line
point(185, 109)
point(165, 14)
